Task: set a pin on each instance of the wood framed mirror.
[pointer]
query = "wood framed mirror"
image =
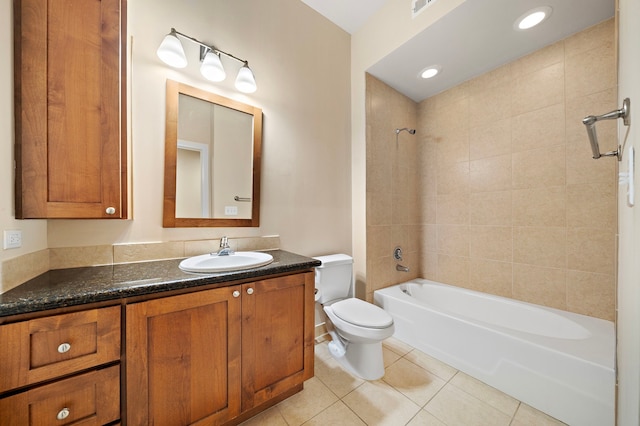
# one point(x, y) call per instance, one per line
point(212, 160)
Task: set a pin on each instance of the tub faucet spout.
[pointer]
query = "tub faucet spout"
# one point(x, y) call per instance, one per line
point(401, 268)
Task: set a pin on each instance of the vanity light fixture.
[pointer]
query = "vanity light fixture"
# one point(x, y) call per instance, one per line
point(171, 53)
point(532, 18)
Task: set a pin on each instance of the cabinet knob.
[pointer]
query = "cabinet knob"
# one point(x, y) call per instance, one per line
point(250, 290)
point(236, 293)
point(63, 414)
point(64, 347)
point(110, 210)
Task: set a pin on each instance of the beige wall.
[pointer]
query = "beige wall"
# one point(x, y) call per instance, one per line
point(302, 67)
point(512, 202)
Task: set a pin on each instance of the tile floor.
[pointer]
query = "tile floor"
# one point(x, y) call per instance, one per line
point(416, 390)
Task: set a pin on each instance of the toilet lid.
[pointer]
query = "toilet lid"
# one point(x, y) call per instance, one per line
point(359, 312)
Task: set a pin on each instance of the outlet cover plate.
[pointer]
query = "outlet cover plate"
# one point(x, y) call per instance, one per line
point(12, 239)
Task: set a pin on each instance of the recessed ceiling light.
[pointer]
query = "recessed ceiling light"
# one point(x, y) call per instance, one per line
point(429, 72)
point(532, 18)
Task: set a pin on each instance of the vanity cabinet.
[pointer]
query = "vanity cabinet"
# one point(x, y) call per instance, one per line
point(61, 369)
point(70, 121)
point(217, 356)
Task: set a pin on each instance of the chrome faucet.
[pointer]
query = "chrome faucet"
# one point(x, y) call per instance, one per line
point(225, 248)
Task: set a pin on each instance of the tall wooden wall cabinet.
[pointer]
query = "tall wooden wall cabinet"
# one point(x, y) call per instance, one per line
point(70, 108)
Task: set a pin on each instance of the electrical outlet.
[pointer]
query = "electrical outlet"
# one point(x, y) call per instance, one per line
point(12, 239)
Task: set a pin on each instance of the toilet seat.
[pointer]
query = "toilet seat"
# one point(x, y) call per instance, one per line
point(358, 312)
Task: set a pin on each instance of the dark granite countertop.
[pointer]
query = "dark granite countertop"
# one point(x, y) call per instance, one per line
point(78, 286)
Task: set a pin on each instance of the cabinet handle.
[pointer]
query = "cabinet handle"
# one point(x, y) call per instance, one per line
point(64, 347)
point(110, 210)
point(236, 293)
point(63, 414)
point(249, 290)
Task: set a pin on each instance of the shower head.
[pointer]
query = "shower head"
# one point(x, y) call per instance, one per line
point(412, 131)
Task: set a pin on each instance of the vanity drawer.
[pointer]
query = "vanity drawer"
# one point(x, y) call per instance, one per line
point(46, 348)
point(91, 398)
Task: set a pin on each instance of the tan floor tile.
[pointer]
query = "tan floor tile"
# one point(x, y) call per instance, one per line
point(424, 418)
point(389, 357)
point(529, 416)
point(412, 381)
point(305, 405)
point(335, 377)
point(377, 403)
point(397, 346)
point(486, 393)
point(431, 364)
point(455, 407)
point(337, 414)
point(322, 350)
point(270, 417)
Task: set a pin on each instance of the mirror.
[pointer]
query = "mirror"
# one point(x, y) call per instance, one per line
point(212, 160)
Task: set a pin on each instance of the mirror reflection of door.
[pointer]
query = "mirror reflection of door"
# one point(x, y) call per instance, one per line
point(214, 173)
point(192, 179)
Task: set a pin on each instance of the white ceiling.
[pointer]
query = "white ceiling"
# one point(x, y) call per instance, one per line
point(474, 38)
point(349, 15)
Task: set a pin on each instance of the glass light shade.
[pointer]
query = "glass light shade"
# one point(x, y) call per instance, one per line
point(245, 81)
point(212, 68)
point(171, 52)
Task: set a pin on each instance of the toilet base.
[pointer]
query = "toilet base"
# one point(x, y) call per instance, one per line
point(363, 360)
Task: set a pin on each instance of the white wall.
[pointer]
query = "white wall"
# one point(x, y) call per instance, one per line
point(629, 223)
point(301, 63)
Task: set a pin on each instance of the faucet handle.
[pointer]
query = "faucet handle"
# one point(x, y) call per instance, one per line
point(224, 242)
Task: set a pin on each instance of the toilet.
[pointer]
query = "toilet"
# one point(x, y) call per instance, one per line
point(357, 328)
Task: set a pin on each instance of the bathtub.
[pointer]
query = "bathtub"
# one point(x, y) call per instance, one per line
point(558, 362)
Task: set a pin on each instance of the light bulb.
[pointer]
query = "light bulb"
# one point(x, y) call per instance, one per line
point(245, 81)
point(212, 68)
point(171, 51)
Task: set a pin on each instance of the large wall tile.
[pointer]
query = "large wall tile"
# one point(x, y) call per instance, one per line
point(491, 242)
point(490, 208)
point(491, 276)
point(591, 294)
point(490, 139)
point(540, 285)
point(540, 206)
point(490, 174)
point(538, 89)
point(591, 250)
point(540, 246)
point(539, 167)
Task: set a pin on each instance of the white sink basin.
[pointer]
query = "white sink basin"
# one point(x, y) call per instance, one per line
point(234, 262)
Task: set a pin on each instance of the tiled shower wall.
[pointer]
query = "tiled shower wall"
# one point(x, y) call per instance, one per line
point(499, 188)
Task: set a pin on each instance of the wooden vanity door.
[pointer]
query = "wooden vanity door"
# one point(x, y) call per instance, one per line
point(183, 359)
point(277, 336)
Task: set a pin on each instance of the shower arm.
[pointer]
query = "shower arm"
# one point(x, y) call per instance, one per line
point(406, 129)
point(590, 123)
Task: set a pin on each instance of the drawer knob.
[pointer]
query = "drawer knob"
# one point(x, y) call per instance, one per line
point(64, 348)
point(63, 414)
point(110, 210)
point(236, 293)
point(249, 290)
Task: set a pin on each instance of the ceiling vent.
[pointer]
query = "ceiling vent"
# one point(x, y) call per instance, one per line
point(417, 6)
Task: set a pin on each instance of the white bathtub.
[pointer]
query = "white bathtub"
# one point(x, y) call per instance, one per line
point(558, 362)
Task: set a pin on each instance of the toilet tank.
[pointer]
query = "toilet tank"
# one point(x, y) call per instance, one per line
point(334, 278)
